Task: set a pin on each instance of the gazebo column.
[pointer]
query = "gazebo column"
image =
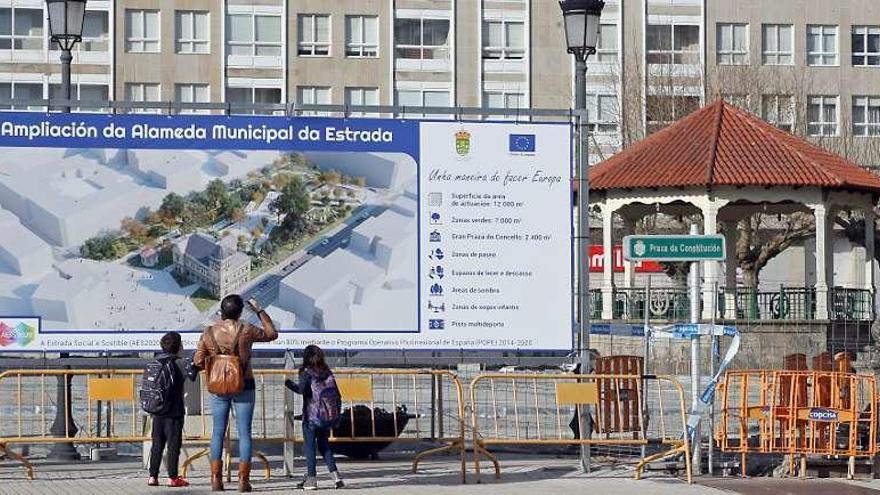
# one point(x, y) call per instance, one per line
point(730, 264)
point(608, 262)
point(870, 226)
point(629, 267)
point(823, 273)
point(710, 268)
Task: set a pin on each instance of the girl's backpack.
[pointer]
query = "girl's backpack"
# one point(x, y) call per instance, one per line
point(325, 407)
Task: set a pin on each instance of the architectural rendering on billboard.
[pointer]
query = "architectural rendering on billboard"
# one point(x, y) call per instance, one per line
point(353, 233)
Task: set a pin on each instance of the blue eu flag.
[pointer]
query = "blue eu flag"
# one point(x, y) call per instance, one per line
point(522, 143)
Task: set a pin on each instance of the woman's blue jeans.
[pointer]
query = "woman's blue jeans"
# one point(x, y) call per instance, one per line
point(243, 403)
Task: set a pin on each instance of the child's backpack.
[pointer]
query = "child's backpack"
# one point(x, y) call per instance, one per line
point(325, 407)
point(155, 392)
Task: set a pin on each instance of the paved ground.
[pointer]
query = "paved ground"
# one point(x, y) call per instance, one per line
point(547, 476)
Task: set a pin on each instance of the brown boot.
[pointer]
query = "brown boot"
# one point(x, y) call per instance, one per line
point(216, 476)
point(244, 477)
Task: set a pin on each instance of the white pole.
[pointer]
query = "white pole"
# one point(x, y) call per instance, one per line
point(694, 286)
point(646, 361)
point(713, 345)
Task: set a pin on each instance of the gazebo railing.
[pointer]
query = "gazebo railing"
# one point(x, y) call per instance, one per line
point(596, 304)
point(787, 303)
point(741, 303)
point(662, 303)
point(850, 304)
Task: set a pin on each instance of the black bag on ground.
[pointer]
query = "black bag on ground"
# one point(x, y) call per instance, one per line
point(155, 392)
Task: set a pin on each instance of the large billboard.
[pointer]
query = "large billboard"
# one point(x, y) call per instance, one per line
point(355, 234)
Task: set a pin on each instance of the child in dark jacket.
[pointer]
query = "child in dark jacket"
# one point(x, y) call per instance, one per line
point(168, 427)
point(316, 437)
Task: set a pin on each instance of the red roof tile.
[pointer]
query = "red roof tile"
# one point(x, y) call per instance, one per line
point(721, 145)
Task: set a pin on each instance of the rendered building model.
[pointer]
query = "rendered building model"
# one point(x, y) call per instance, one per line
point(215, 266)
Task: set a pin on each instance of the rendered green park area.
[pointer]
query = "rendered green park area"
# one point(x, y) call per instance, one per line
point(269, 215)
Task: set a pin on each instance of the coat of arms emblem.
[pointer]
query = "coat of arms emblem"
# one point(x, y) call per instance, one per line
point(639, 248)
point(462, 142)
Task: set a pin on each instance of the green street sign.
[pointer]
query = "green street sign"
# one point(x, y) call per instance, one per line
point(674, 248)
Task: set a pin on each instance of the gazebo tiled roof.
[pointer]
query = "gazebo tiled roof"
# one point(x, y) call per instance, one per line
point(721, 145)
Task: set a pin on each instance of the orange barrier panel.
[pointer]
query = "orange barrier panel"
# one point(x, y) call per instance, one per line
point(798, 413)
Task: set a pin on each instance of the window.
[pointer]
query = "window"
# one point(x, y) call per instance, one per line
point(96, 33)
point(98, 93)
point(253, 96)
point(21, 29)
point(865, 45)
point(662, 110)
point(361, 96)
point(21, 92)
point(422, 39)
point(606, 46)
point(193, 32)
point(314, 35)
point(142, 92)
point(142, 31)
point(668, 44)
point(777, 44)
point(733, 44)
point(601, 113)
point(822, 116)
point(361, 36)
point(313, 95)
point(422, 98)
point(254, 35)
point(504, 99)
point(192, 93)
point(821, 45)
point(504, 40)
point(866, 115)
point(778, 110)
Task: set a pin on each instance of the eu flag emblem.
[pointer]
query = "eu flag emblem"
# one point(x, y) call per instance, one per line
point(522, 143)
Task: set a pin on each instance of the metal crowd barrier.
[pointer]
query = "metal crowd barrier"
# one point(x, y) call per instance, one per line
point(30, 418)
point(798, 413)
point(381, 407)
point(535, 409)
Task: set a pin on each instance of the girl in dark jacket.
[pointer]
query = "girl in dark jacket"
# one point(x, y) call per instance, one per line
point(316, 436)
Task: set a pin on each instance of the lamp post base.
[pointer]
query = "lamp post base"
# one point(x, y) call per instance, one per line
point(64, 452)
point(64, 426)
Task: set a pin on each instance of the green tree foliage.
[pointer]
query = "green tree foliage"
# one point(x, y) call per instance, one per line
point(172, 206)
point(103, 247)
point(293, 201)
point(216, 194)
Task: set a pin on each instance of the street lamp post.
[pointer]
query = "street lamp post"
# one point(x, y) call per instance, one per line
point(65, 28)
point(581, 19)
point(66, 19)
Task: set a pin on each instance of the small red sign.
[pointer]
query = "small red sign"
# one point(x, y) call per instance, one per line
point(597, 261)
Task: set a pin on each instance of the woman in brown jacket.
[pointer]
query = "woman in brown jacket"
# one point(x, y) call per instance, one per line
point(220, 338)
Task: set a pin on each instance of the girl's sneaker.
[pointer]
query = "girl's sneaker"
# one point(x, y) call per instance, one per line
point(153, 481)
point(308, 483)
point(337, 480)
point(178, 482)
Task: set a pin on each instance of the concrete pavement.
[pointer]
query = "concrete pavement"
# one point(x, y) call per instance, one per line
point(544, 476)
point(524, 476)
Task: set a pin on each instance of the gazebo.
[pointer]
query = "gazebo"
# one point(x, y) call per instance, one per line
point(724, 164)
